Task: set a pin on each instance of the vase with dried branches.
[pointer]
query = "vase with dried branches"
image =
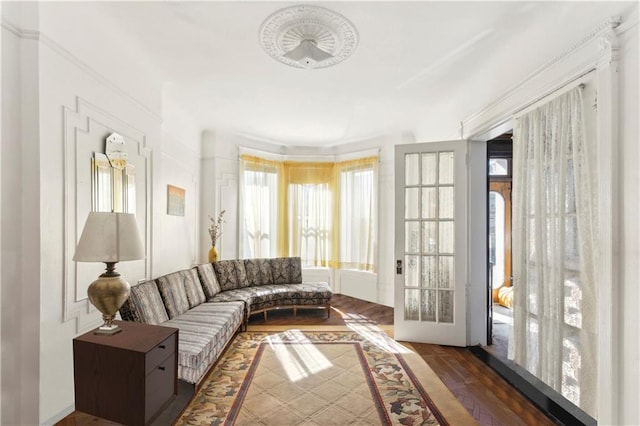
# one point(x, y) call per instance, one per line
point(215, 232)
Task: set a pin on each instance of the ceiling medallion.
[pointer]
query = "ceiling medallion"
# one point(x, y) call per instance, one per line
point(308, 37)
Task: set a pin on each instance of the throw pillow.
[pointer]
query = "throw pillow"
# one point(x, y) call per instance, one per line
point(173, 294)
point(144, 304)
point(208, 279)
point(195, 294)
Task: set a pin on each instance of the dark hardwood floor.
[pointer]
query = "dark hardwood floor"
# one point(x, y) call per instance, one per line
point(489, 398)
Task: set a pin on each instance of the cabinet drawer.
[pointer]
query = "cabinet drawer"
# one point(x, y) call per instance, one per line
point(158, 354)
point(160, 386)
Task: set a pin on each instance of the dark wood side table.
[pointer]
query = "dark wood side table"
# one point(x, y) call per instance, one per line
point(128, 377)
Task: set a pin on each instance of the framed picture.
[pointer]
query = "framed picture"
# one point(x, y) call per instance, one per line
point(175, 200)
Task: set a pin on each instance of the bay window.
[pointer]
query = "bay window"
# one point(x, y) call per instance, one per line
point(324, 212)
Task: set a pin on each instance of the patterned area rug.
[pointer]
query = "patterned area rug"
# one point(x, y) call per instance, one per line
point(311, 377)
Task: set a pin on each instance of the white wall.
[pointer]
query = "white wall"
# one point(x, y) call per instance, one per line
point(176, 238)
point(67, 87)
point(219, 177)
point(82, 30)
point(20, 227)
point(175, 244)
point(627, 316)
point(77, 113)
point(1, 109)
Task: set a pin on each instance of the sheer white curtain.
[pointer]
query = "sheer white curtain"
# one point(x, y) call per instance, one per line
point(358, 216)
point(554, 249)
point(310, 223)
point(259, 206)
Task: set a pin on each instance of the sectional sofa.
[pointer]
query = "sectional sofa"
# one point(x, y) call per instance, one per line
point(209, 303)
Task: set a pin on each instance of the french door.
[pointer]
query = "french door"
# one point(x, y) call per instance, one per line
point(431, 244)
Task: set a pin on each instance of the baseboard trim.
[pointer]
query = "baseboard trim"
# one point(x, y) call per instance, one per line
point(58, 417)
point(546, 399)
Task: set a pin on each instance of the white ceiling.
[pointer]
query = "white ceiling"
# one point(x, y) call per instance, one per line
point(420, 67)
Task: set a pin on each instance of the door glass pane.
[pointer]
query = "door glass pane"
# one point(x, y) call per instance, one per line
point(446, 272)
point(411, 274)
point(446, 204)
point(498, 167)
point(428, 305)
point(412, 304)
point(445, 306)
point(496, 238)
point(429, 237)
point(411, 170)
point(446, 238)
point(429, 168)
point(412, 237)
point(429, 271)
point(445, 172)
point(411, 203)
point(429, 203)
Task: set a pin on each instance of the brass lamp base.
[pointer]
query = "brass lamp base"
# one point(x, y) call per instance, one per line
point(107, 294)
point(103, 329)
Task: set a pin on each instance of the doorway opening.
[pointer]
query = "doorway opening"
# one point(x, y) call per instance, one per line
point(500, 280)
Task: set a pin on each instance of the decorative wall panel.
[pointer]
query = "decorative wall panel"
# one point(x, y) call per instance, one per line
point(85, 131)
point(227, 199)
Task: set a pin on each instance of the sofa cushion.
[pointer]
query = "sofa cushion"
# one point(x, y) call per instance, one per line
point(204, 332)
point(226, 274)
point(258, 271)
point(193, 288)
point(231, 274)
point(271, 295)
point(173, 294)
point(208, 280)
point(144, 304)
point(241, 273)
point(299, 294)
point(286, 270)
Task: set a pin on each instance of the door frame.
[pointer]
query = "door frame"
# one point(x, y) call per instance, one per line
point(476, 250)
point(478, 253)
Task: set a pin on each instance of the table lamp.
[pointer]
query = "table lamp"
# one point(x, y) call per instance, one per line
point(109, 238)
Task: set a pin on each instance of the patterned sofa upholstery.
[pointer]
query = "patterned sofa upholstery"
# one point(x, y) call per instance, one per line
point(209, 303)
point(265, 284)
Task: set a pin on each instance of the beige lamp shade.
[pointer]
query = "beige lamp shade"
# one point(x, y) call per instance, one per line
point(109, 237)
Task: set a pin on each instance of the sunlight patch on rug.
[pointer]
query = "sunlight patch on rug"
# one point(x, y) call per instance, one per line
point(305, 377)
point(298, 357)
point(374, 336)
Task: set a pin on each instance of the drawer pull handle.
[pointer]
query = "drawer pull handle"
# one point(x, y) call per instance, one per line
point(161, 368)
point(161, 346)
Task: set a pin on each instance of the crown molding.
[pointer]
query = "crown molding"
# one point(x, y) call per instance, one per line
point(17, 31)
point(73, 59)
point(596, 48)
